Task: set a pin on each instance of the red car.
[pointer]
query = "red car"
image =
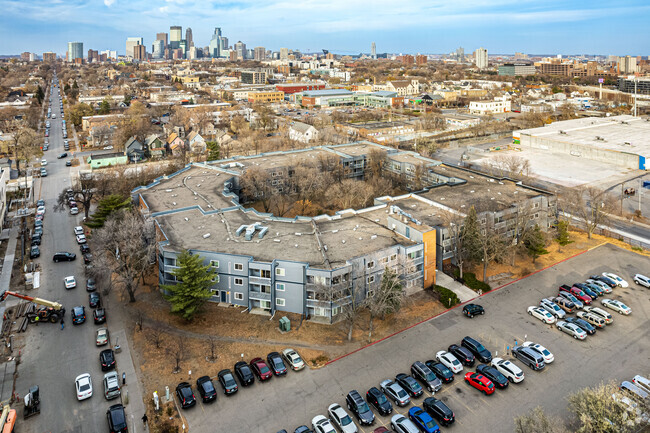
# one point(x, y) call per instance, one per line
point(480, 382)
point(575, 291)
point(261, 370)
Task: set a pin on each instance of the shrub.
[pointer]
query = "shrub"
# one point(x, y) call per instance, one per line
point(474, 284)
point(445, 296)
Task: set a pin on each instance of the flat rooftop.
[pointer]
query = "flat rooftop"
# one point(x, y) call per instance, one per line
point(378, 125)
point(179, 191)
point(619, 133)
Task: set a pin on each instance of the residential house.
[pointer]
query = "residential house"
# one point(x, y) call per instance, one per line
point(174, 143)
point(302, 132)
point(156, 147)
point(196, 142)
point(134, 150)
point(107, 160)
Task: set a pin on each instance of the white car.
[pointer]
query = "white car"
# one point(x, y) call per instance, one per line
point(600, 313)
point(81, 239)
point(341, 419)
point(43, 162)
point(450, 361)
point(293, 359)
point(102, 337)
point(402, 424)
point(84, 386)
point(40, 210)
point(78, 230)
point(74, 210)
point(620, 282)
point(70, 282)
point(642, 280)
point(546, 354)
point(617, 306)
point(107, 147)
point(541, 314)
point(552, 308)
point(322, 425)
point(600, 284)
point(572, 329)
point(508, 369)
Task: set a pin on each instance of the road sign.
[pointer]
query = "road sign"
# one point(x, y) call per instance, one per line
point(601, 80)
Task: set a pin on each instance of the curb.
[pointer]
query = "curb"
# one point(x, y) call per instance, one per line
point(456, 306)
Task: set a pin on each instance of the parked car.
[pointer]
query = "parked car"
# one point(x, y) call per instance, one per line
point(227, 381)
point(471, 310)
point(401, 424)
point(597, 288)
point(426, 377)
point(111, 385)
point(569, 296)
point(244, 373)
point(206, 389)
point(572, 329)
point(341, 419)
point(577, 293)
point(94, 300)
point(530, 357)
point(480, 382)
point(107, 359)
point(322, 424)
point(634, 389)
point(541, 314)
point(303, 429)
point(509, 370)
point(274, 360)
point(91, 286)
point(116, 419)
point(564, 304)
point(439, 411)
point(552, 308)
point(583, 324)
point(359, 408)
point(641, 280)
point(601, 313)
point(81, 239)
point(617, 306)
point(592, 294)
point(395, 392)
point(84, 248)
point(462, 354)
point(620, 282)
point(440, 370)
point(293, 359)
point(261, 370)
point(102, 337)
point(62, 155)
point(99, 316)
point(34, 251)
point(64, 257)
point(378, 400)
point(602, 285)
point(611, 283)
point(84, 386)
point(410, 385)
point(74, 210)
point(481, 353)
point(78, 315)
point(449, 361)
point(591, 319)
point(498, 379)
point(423, 420)
point(185, 395)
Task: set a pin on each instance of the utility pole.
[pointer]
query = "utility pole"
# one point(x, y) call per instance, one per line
point(635, 82)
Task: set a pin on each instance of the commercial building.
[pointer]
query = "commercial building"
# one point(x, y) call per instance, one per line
point(158, 49)
point(175, 36)
point(93, 56)
point(284, 53)
point(140, 52)
point(373, 50)
point(163, 37)
point(259, 53)
point(240, 50)
point(49, 57)
point(290, 88)
point(265, 97)
point(628, 85)
point(131, 43)
point(253, 77)
point(619, 140)
point(500, 105)
point(627, 65)
point(516, 69)
point(216, 44)
point(189, 39)
point(556, 67)
point(481, 58)
point(75, 51)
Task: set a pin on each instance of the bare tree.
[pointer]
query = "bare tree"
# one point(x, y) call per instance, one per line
point(24, 143)
point(177, 352)
point(386, 299)
point(453, 222)
point(155, 336)
point(212, 340)
point(129, 243)
point(256, 185)
point(539, 422)
point(590, 205)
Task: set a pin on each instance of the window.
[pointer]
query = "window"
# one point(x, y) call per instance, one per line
point(239, 281)
point(371, 264)
point(336, 310)
point(279, 287)
point(214, 264)
point(266, 274)
point(239, 267)
point(279, 272)
point(535, 206)
point(393, 257)
point(215, 278)
point(384, 260)
point(371, 279)
point(310, 279)
point(239, 296)
point(279, 302)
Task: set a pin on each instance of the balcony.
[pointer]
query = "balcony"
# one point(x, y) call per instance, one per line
point(260, 296)
point(259, 280)
point(316, 303)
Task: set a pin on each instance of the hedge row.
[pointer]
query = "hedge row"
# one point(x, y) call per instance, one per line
point(445, 296)
point(474, 284)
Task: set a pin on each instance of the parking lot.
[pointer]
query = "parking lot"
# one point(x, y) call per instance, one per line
point(618, 352)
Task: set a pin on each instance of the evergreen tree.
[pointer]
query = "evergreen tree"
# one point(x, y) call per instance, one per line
point(213, 150)
point(562, 237)
point(106, 207)
point(75, 85)
point(104, 107)
point(535, 243)
point(192, 289)
point(40, 95)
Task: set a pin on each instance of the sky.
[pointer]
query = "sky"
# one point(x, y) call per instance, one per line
point(341, 26)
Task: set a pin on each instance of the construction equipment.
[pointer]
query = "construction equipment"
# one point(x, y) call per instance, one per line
point(7, 419)
point(32, 402)
point(51, 311)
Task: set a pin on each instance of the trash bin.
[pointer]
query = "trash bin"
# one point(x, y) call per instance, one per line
point(285, 324)
point(117, 348)
point(282, 326)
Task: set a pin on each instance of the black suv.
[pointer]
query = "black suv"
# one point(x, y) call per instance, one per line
point(227, 381)
point(185, 395)
point(477, 349)
point(424, 374)
point(438, 410)
point(471, 310)
point(64, 257)
point(377, 398)
point(529, 357)
point(78, 315)
point(107, 359)
point(244, 373)
point(116, 419)
point(94, 300)
point(440, 370)
point(206, 389)
point(463, 354)
point(359, 408)
point(499, 380)
point(410, 385)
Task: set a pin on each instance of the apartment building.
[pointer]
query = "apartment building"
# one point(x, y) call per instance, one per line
point(500, 105)
point(265, 97)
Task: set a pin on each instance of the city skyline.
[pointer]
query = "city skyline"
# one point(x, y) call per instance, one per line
point(501, 26)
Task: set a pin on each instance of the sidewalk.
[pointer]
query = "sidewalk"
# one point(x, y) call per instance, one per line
point(7, 266)
point(135, 407)
point(464, 293)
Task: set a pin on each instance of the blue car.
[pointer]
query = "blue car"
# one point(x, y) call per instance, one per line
point(423, 420)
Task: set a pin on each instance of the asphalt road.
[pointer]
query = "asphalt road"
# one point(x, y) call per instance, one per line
point(618, 352)
point(53, 357)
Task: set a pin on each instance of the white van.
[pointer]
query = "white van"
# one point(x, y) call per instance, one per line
point(642, 383)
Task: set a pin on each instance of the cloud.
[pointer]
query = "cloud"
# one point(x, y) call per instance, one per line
point(164, 9)
point(109, 3)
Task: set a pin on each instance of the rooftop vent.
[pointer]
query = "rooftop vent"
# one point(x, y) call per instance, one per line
point(562, 132)
point(168, 190)
point(207, 235)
